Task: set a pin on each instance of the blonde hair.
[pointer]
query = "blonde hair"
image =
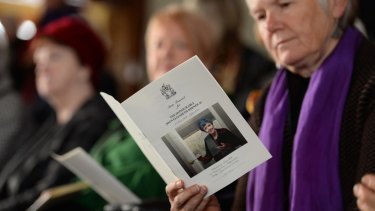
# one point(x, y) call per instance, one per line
point(228, 15)
point(198, 31)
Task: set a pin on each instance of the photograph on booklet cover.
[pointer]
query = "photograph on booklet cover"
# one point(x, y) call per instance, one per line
point(208, 136)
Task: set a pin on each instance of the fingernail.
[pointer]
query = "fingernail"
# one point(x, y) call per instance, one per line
point(203, 189)
point(365, 180)
point(197, 188)
point(178, 184)
point(356, 189)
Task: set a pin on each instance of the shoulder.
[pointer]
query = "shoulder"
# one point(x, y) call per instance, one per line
point(365, 57)
point(207, 138)
point(223, 130)
point(95, 111)
point(89, 123)
point(362, 86)
point(360, 101)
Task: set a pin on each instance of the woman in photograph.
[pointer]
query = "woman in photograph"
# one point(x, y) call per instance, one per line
point(219, 142)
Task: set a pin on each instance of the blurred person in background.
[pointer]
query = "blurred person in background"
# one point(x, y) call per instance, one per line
point(22, 66)
point(316, 118)
point(52, 10)
point(12, 115)
point(173, 35)
point(69, 57)
point(238, 68)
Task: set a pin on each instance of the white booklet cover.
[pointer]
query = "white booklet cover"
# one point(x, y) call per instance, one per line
point(85, 167)
point(163, 120)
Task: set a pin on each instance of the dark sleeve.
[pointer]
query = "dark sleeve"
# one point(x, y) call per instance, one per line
point(367, 156)
point(231, 139)
point(19, 202)
point(11, 123)
point(208, 153)
point(357, 135)
point(25, 198)
point(365, 116)
point(84, 134)
point(366, 164)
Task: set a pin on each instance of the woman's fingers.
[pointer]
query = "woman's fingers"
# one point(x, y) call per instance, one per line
point(189, 199)
point(203, 204)
point(365, 193)
point(172, 189)
point(369, 181)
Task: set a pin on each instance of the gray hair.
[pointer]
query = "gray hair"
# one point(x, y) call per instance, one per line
point(344, 21)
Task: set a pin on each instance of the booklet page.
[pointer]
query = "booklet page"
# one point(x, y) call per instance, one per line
point(169, 110)
point(85, 167)
point(138, 136)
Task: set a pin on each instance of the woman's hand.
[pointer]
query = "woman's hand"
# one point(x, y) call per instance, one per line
point(191, 198)
point(365, 193)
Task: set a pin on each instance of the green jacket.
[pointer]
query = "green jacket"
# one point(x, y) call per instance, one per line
point(119, 154)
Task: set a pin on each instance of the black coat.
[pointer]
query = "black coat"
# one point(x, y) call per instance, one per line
point(357, 135)
point(32, 170)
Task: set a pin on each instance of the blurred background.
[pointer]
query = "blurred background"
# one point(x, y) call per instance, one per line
point(120, 22)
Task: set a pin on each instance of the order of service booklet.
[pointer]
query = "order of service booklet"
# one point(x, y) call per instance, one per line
point(163, 118)
point(84, 166)
point(93, 174)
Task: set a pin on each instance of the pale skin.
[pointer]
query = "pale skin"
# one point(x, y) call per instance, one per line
point(297, 34)
point(365, 193)
point(167, 46)
point(61, 79)
point(190, 198)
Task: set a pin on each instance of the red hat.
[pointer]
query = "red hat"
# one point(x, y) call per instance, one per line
point(76, 33)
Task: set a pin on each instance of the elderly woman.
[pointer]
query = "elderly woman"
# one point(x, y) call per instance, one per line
point(317, 118)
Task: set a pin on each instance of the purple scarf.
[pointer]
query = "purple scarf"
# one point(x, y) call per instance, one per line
point(315, 181)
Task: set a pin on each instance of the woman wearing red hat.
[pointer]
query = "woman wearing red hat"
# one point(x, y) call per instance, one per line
point(68, 56)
